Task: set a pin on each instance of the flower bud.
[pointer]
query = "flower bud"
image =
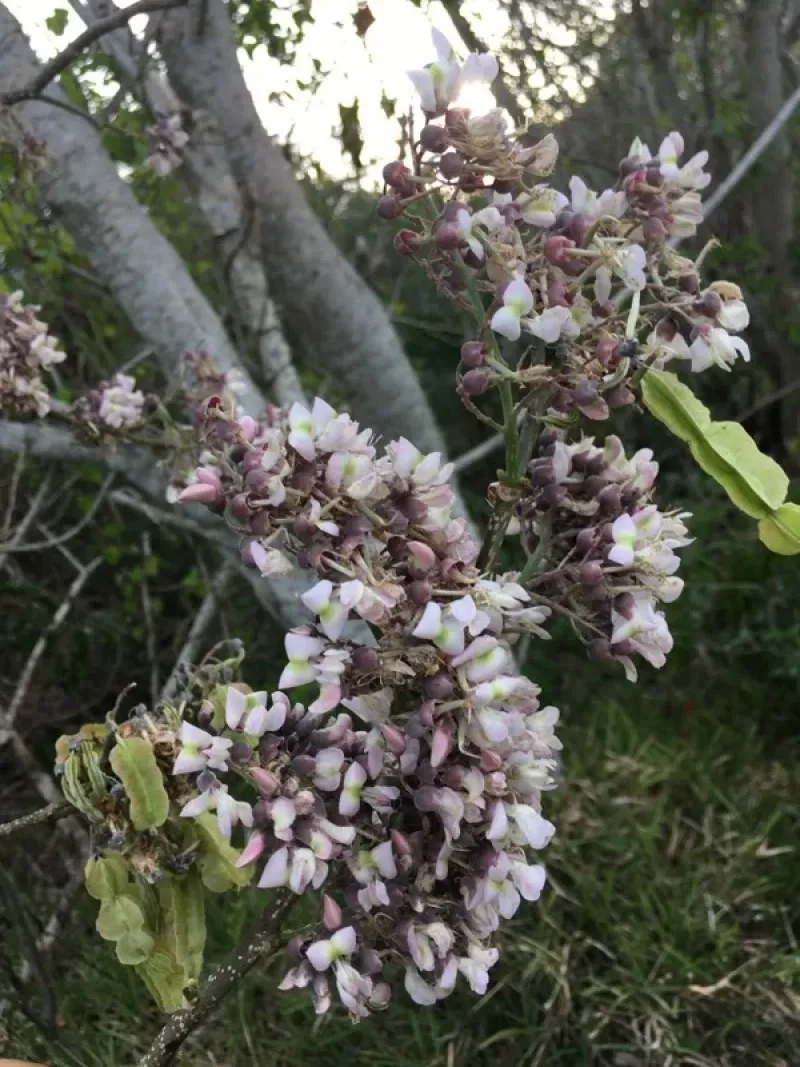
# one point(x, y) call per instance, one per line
point(689, 282)
point(553, 494)
point(438, 687)
point(199, 493)
point(578, 228)
point(591, 574)
point(597, 465)
point(441, 743)
point(406, 242)
point(413, 508)
point(654, 231)
point(490, 761)
point(580, 461)
point(398, 523)
point(556, 249)
point(610, 498)
point(206, 714)
point(556, 293)
point(606, 352)
point(600, 650)
point(331, 913)
point(266, 782)
point(585, 541)
point(709, 304)
point(241, 752)
point(451, 166)
point(629, 166)
point(423, 558)
point(473, 354)
point(585, 392)
point(594, 484)
point(475, 382)
point(623, 648)
point(394, 739)
point(625, 605)
point(455, 119)
point(262, 819)
point(419, 592)
point(619, 397)
point(542, 472)
point(365, 659)
point(389, 207)
point(448, 236)
point(257, 481)
point(653, 174)
point(240, 509)
point(549, 436)
point(396, 174)
point(401, 843)
point(433, 138)
point(471, 260)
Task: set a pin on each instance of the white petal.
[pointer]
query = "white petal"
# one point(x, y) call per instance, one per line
point(235, 707)
point(274, 873)
point(506, 323)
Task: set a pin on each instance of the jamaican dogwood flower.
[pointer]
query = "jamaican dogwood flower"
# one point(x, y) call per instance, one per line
point(715, 347)
point(199, 749)
point(517, 302)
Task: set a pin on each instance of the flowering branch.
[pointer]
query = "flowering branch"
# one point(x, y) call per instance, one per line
point(57, 810)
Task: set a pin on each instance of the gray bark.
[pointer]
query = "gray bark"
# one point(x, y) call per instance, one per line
point(322, 297)
point(82, 187)
point(208, 178)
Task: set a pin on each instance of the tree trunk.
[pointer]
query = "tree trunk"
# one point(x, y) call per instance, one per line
point(322, 297)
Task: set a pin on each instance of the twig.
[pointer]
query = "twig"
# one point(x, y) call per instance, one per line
point(54, 811)
point(54, 542)
point(7, 719)
point(74, 49)
point(263, 941)
point(27, 518)
point(202, 621)
point(147, 612)
point(19, 467)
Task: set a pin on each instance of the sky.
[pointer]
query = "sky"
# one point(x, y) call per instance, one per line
point(398, 40)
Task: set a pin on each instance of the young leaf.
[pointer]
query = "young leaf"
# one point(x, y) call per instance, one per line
point(217, 859)
point(134, 947)
point(106, 877)
point(134, 763)
point(780, 531)
point(755, 483)
point(119, 917)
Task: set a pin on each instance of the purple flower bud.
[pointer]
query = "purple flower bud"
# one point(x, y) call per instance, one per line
point(448, 236)
point(439, 687)
point(689, 282)
point(625, 604)
point(597, 465)
point(206, 780)
point(490, 761)
point(419, 592)
point(304, 764)
point(257, 481)
point(473, 354)
point(557, 249)
point(619, 397)
point(241, 752)
point(629, 166)
point(475, 382)
point(556, 293)
point(710, 304)
point(331, 913)
point(580, 461)
point(610, 498)
point(365, 659)
point(413, 508)
point(654, 231)
point(240, 509)
point(542, 471)
point(389, 207)
point(600, 650)
point(394, 739)
point(396, 174)
point(623, 648)
point(653, 174)
point(578, 228)
point(549, 436)
point(606, 352)
point(422, 557)
point(585, 541)
point(262, 818)
point(433, 138)
point(553, 495)
point(401, 843)
point(302, 527)
point(266, 782)
point(594, 484)
point(591, 574)
point(585, 392)
point(246, 554)
point(451, 166)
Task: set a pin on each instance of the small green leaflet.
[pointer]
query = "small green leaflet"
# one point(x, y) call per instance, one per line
point(134, 763)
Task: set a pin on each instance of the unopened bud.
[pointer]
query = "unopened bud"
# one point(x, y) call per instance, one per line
point(553, 494)
point(542, 472)
point(580, 461)
point(433, 138)
point(260, 523)
point(556, 292)
point(585, 541)
point(625, 605)
point(594, 484)
point(451, 166)
point(448, 236)
point(401, 843)
point(406, 242)
point(473, 354)
point(591, 574)
point(441, 744)
point(585, 392)
point(689, 282)
point(439, 687)
point(579, 227)
point(396, 174)
point(419, 592)
point(556, 249)
point(413, 508)
point(475, 382)
point(654, 231)
point(549, 436)
point(394, 739)
point(257, 481)
point(629, 166)
point(240, 509)
point(331, 913)
point(610, 498)
point(709, 304)
point(265, 782)
point(241, 752)
point(606, 352)
point(600, 650)
point(389, 207)
point(653, 174)
point(619, 397)
point(596, 465)
point(365, 659)
point(490, 761)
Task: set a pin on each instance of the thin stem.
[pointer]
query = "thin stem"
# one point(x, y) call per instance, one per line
point(49, 813)
point(261, 942)
point(537, 556)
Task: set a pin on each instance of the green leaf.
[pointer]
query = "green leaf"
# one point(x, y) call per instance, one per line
point(118, 918)
point(134, 947)
point(183, 922)
point(217, 859)
point(164, 979)
point(780, 531)
point(134, 763)
point(57, 22)
point(754, 482)
point(106, 877)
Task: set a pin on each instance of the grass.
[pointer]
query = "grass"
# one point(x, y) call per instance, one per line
point(668, 934)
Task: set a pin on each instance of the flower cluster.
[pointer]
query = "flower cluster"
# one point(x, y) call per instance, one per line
point(167, 140)
point(409, 787)
point(609, 552)
point(26, 349)
point(115, 405)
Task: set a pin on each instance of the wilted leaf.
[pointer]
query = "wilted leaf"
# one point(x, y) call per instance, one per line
point(106, 877)
point(754, 482)
point(134, 763)
point(780, 531)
